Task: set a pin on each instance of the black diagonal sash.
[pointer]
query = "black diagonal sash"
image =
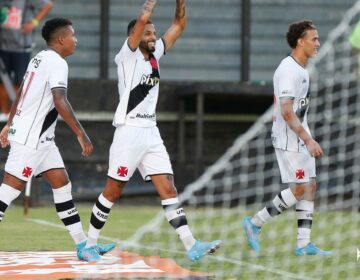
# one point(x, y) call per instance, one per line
point(138, 93)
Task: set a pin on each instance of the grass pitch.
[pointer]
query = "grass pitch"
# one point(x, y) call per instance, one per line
point(338, 231)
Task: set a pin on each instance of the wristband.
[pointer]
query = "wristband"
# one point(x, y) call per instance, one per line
point(35, 22)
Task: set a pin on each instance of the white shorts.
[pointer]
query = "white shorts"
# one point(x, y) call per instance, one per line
point(138, 147)
point(24, 162)
point(295, 167)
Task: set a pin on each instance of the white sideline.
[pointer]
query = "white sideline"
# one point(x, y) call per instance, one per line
point(286, 274)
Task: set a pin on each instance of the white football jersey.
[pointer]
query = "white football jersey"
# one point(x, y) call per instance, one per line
point(138, 86)
point(35, 119)
point(291, 80)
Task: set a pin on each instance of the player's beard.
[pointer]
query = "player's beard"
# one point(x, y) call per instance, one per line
point(149, 46)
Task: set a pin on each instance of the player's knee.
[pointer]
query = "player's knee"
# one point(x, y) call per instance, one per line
point(299, 191)
point(113, 190)
point(171, 191)
point(168, 191)
point(313, 188)
point(14, 182)
point(112, 196)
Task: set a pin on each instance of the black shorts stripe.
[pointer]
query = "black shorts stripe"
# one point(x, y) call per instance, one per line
point(58, 87)
point(63, 206)
point(102, 207)
point(42, 172)
point(71, 220)
point(95, 222)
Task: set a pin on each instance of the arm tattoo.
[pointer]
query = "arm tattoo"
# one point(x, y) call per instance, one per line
point(170, 178)
point(180, 9)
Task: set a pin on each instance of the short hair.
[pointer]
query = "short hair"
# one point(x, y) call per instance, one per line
point(52, 25)
point(132, 24)
point(298, 30)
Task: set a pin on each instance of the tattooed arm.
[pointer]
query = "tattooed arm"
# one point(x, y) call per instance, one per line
point(65, 110)
point(143, 17)
point(178, 25)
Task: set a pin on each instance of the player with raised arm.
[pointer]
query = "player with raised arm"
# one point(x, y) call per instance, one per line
point(31, 126)
point(295, 148)
point(137, 142)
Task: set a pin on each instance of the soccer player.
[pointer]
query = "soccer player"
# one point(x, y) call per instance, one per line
point(31, 126)
point(137, 142)
point(295, 148)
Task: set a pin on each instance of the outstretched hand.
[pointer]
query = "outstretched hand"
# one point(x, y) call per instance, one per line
point(4, 140)
point(86, 145)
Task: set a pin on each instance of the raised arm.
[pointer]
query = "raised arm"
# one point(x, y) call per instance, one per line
point(143, 17)
point(178, 25)
point(294, 123)
point(65, 110)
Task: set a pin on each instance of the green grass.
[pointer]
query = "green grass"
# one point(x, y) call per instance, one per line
point(337, 230)
point(29, 236)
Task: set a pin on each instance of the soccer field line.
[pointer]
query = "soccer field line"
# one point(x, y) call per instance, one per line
point(286, 274)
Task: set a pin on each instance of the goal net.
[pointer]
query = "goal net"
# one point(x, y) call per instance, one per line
point(247, 176)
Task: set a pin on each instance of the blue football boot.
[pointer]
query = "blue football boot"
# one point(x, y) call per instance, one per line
point(201, 249)
point(252, 233)
point(311, 249)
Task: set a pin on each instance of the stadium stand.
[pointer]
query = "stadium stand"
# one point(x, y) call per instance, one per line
point(210, 48)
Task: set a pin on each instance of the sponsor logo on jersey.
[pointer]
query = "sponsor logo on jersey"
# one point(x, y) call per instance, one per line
point(12, 131)
point(122, 171)
point(13, 18)
point(149, 81)
point(286, 91)
point(303, 106)
point(50, 138)
point(145, 116)
point(300, 174)
point(303, 103)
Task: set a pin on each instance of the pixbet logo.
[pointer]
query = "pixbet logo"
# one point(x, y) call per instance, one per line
point(357, 254)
